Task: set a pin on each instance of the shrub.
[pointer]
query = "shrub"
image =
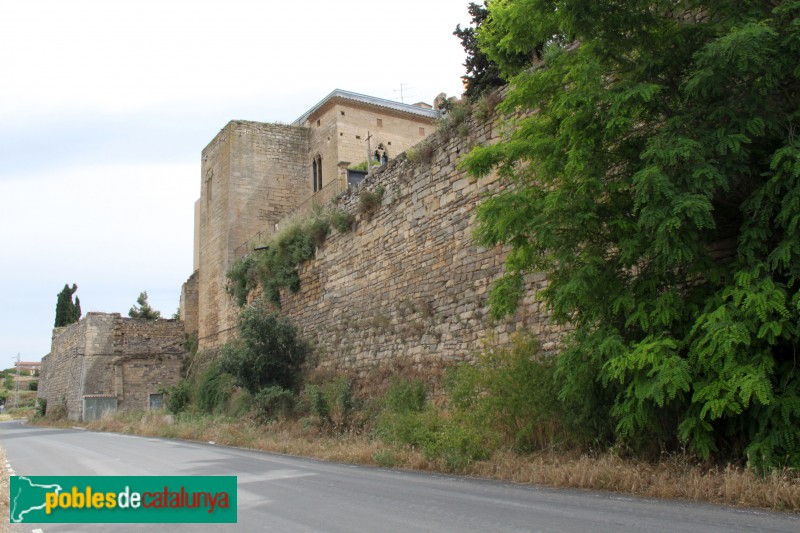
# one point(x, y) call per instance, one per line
point(406, 416)
point(369, 202)
point(363, 166)
point(191, 343)
point(457, 445)
point(33, 385)
point(240, 403)
point(417, 429)
point(405, 396)
point(41, 406)
point(275, 266)
point(178, 397)
point(318, 230)
point(270, 351)
point(272, 402)
point(511, 394)
point(486, 105)
point(243, 277)
point(317, 403)
point(214, 389)
point(342, 220)
point(332, 403)
point(421, 153)
point(456, 120)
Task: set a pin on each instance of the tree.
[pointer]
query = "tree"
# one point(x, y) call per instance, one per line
point(67, 311)
point(143, 310)
point(270, 351)
point(483, 74)
point(658, 186)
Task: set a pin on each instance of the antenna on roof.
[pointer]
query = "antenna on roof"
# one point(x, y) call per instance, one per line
point(402, 87)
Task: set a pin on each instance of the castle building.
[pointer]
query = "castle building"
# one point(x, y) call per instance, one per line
point(255, 174)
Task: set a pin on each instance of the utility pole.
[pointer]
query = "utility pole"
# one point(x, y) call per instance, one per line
point(16, 396)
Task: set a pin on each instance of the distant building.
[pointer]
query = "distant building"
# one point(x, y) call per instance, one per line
point(33, 367)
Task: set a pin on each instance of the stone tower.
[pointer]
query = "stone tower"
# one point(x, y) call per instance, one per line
point(254, 174)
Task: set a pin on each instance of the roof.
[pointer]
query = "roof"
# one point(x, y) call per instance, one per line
point(372, 100)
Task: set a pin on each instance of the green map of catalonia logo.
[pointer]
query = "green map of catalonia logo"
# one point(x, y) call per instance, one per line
point(123, 499)
point(28, 497)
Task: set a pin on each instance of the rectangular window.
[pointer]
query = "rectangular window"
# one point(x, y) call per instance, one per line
point(422, 132)
point(380, 122)
point(156, 401)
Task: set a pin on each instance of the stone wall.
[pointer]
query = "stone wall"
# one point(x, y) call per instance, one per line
point(148, 358)
point(105, 354)
point(410, 282)
point(61, 376)
point(189, 306)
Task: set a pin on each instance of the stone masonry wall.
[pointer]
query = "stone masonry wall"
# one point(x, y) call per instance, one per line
point(411, 283)
point(105, 354)
point(253, 174)
point(61, 373)
point(189, 307)
point(149, 356)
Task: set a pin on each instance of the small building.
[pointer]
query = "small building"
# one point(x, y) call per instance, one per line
point(107, 362)
point(31, 367)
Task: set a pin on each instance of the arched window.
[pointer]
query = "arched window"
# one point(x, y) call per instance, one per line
point(316, 174)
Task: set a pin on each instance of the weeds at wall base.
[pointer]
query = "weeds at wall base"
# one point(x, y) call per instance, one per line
point(674, 477)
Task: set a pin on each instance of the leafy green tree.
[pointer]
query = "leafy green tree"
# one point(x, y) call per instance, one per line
point(143, 309)
point(658, 186)
point(67, 311)
point(270, 351)
point(483, 74)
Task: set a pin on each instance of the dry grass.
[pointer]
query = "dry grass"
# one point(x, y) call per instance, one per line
point(5, 526)
point(671, 478)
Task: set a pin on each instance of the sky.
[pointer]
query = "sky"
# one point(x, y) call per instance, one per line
point(105, 107)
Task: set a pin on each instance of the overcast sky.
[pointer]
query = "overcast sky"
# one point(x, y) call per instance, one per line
point(105, 107)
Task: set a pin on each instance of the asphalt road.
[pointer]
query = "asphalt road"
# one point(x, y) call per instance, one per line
point(286, 494)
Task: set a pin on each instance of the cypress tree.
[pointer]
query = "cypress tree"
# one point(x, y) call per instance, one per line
point(67, 311)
